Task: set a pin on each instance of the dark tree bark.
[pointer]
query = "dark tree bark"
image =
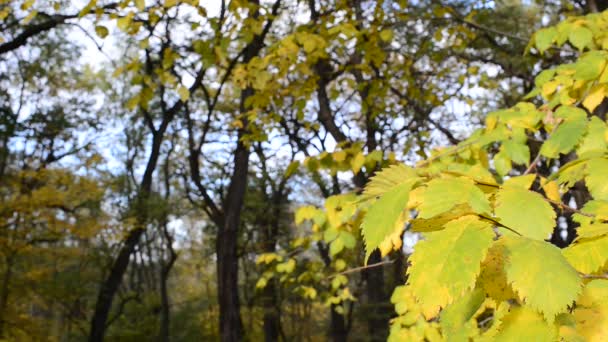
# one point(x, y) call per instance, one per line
point(48, 23)
point(118, 268)
point(231, 327)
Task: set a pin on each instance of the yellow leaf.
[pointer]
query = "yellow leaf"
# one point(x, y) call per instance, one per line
point(184, 93)
point(549, 88)
point(386, 35)
point(357, 162)
point(551, 189)
point(101, 31)
point(140, 4)
point(339, 156)
point(592, 323)
point(595, 97)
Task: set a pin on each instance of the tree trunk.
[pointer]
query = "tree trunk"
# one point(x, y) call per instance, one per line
point(119, 267)
point(378, 313)
point(110, 286)
point(227, 257)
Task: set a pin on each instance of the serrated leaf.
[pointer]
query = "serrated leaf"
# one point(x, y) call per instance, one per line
point(385, 180)
point(493, 277)
point(382, 216)
point(564, 139)
point(596, 170)
point(524, 324)
point(437, 222)
point(541, 276)
point(591, 230)
point(588, 255)
point(443, 194)
point(594, 143)
point(524, 211)
point(451, 260)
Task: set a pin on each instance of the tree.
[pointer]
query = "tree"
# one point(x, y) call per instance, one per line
point(484, 269)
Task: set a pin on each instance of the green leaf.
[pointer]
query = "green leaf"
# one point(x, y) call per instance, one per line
point(340, 208)
point(437, 222)
point(596, 171)
point(541, 276)
point(386, 35)
point(522, 182)
point(590, 66)
point(588, 255)
point(357, 162)
point(524, 211)
point(564, 139)
point(524, 324)
point(382, 215)
point(591, 230)
point(101, 31)
point(502, 163)
point(594, 142)
point(580, 37)
point(544, 38)
point(292, 168)
point(450, 259)
point(443, 194)
point(517, 152)
point(386, 180)
point(455, 320)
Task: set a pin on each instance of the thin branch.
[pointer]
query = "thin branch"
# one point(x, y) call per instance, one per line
point(362, 268)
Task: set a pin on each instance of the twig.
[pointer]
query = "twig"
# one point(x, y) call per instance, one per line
point(568, 208)
point(362, 268)
point(594, 276)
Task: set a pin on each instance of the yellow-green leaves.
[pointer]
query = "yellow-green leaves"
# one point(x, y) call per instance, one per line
point(524, 324)
point(588, 255)
point(525, 212)
point(581, 37)
point(443, 194)
point(386, 179)
point(449, 260)
point(596, 171)
point(544, 38)
point(541, 276)
point(101, 31)
point(565, 137)
point(383, 217)
point(590, 66)
point(184, 93)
